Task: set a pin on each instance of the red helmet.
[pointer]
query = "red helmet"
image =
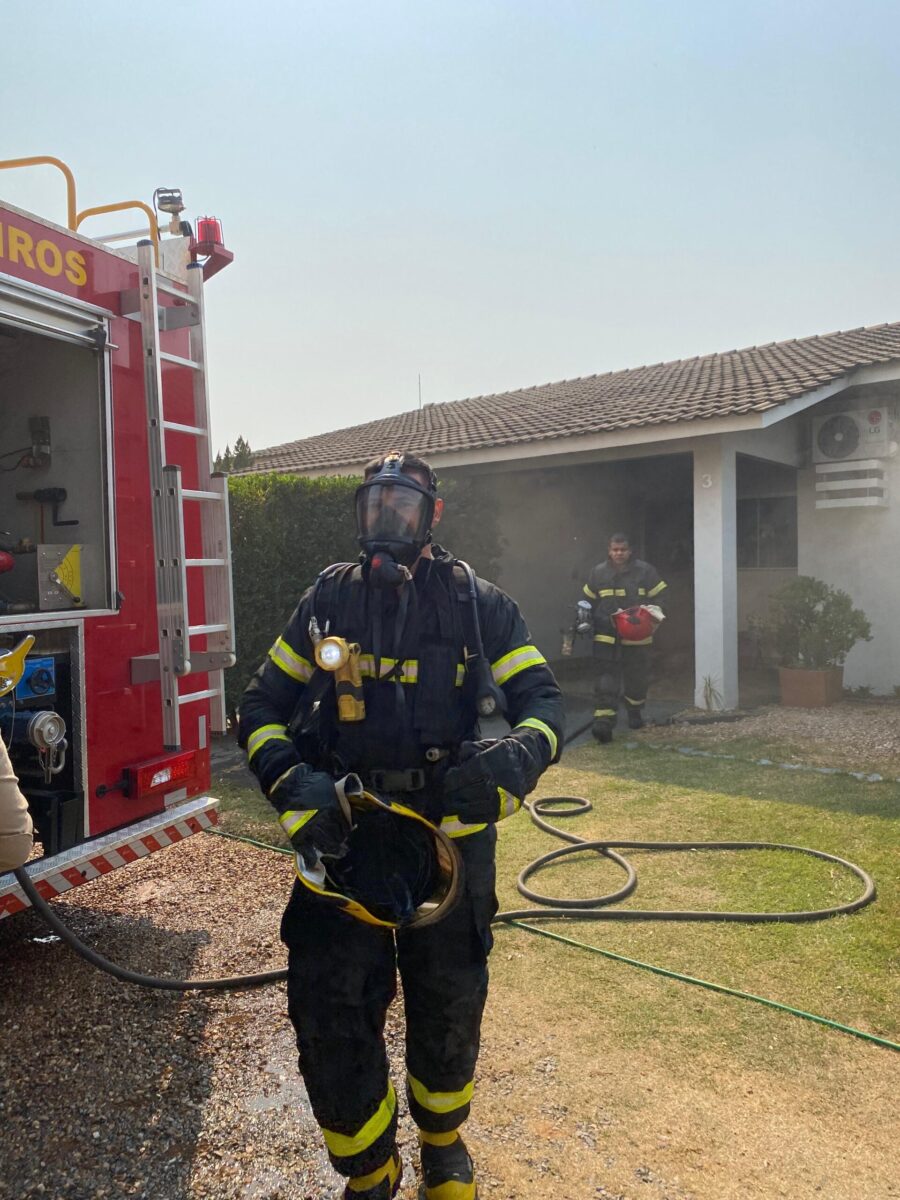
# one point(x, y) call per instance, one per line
point(634, 624)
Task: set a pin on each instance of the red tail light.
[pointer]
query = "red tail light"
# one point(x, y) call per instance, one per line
point(161, 775)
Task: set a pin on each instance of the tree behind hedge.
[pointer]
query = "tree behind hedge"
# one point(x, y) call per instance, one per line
point(285, 529)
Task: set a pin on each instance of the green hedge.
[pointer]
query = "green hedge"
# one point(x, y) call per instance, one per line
point(286, 529)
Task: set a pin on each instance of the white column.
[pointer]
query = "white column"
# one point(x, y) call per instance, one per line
point(715, 573)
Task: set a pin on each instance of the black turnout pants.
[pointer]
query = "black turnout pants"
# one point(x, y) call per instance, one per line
point(342, 976)
point(624, 671)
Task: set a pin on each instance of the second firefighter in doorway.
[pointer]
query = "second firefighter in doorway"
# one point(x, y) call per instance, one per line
point(627, 595)
point(433, 648)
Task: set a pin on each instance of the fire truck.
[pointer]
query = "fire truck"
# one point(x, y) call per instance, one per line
point(116, 614)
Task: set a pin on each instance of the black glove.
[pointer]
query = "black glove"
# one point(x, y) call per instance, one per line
point(603, 623)
point(310, 813)
point(492, 777)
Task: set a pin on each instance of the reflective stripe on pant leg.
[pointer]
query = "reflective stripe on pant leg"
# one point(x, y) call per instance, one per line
point(341, 979)
point(444, 972)
point(636, 674)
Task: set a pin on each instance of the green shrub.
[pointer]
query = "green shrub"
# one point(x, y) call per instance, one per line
point(815, 625)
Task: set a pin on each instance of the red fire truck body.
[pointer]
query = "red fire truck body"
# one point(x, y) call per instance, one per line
point(115, 551)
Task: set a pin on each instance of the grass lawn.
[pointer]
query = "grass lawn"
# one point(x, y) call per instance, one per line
point(844, 968)
point(597, 1079)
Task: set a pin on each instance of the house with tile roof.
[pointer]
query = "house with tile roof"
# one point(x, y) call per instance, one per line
point(731, 472)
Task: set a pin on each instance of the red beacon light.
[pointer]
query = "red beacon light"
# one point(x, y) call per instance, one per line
point(209, 243)
point(209, 232)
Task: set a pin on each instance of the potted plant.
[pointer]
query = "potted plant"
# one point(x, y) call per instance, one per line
point(815, 627)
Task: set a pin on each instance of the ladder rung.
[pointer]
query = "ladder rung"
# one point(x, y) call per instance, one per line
point(200, 630)
point(179, 361)
point(189, 494)
point(206, 562)
point(192, 697)
point(196, 430)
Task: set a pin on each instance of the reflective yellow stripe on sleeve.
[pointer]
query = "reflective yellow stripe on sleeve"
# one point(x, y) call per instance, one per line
point(292, 663)
point(534, 723)
point(604, 637)
point(265, 733)
point(342, 1145)
point(509, 804)
point(295, 819)
point(642, 642)
point(590, 595)
point(661, 586)
point(514, 662)
point(454, 827)
point(440, 1102)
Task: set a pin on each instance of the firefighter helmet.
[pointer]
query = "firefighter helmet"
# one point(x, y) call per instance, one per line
point(399, 869)
point(634, 624)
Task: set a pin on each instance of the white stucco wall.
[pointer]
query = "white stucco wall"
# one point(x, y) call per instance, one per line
point(858, 549)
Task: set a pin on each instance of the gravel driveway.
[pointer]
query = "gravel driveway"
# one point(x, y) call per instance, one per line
point(109, 1090)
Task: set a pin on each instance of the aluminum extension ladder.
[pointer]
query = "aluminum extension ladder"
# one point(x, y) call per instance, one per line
point(177, 659)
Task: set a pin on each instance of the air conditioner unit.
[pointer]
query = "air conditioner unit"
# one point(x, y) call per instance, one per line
point(849, 436)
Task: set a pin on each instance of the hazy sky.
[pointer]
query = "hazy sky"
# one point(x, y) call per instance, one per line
point(489, 193)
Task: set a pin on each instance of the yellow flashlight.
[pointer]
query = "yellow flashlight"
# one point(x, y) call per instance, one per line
point(341, 657)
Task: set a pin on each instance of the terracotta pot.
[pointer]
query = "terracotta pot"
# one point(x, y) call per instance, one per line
point(801, 688)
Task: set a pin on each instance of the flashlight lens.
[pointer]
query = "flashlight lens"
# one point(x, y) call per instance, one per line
point(331, 654)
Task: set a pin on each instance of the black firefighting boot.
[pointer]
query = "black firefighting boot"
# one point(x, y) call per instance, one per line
point(448, 1172)
point(602, 730)
point(381, 1184)
point(635, 718)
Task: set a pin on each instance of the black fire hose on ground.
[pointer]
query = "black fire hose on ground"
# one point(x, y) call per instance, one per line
point(549, 907)
point(151, 981)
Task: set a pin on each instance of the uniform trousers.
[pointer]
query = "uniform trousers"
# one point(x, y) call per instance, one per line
point(623, 671)
point(342, 976)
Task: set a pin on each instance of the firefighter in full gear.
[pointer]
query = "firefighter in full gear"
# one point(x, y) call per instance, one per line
point(623, 662)
point(434, 647)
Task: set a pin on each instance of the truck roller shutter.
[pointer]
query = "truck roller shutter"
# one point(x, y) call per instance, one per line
point(37, 309)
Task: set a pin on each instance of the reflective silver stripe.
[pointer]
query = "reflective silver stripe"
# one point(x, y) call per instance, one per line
point(591, 595)
point(440, 1102)
point(292, 663)
point(265, 733)
point(534, 723)
point(453, 827)
point(654, 591)
point(295, 819)
point(514, 662)
point(509, 804)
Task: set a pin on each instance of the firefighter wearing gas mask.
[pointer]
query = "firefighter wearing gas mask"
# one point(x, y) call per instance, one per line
point(377, 683)
point(627, 595)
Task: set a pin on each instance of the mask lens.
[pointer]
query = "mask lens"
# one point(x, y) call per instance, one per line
point(392, 512)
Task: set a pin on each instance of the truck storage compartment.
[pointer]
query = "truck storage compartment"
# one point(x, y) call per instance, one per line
point(54, 474)
point(42, 725)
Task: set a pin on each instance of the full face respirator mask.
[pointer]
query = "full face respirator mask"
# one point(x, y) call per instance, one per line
point(394, 512)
